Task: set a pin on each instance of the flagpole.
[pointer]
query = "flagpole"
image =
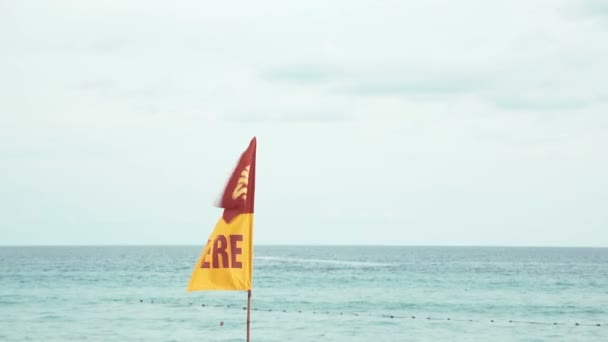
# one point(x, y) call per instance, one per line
point(248, 312)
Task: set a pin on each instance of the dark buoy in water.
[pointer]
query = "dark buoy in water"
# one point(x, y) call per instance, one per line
point(576, 323)
point(413, 317)
point(221, 323)
point(141, 300)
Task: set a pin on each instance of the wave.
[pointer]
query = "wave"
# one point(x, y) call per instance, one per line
point(324, 261)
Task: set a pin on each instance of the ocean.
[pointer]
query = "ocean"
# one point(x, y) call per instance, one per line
point(307, 293)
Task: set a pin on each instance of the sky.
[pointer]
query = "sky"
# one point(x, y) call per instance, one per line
point(433, 122)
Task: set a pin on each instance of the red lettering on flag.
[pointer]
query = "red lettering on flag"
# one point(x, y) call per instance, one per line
point(219, 248)
point(205, 264)
point(235, 250)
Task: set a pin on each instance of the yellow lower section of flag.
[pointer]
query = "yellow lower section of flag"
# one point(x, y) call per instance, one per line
point(227, 260)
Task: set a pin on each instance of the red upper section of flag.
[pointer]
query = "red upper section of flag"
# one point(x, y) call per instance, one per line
point(239, 194)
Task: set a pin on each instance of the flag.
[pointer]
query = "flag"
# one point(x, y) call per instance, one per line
point(226, 262)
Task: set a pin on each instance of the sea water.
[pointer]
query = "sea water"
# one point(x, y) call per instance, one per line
point(307, 293)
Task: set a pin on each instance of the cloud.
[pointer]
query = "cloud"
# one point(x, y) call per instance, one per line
point(535, 82)
point(108, 44)
point(97, 85)
point(540, 104)
point(110, 88)
point(289, 116)
point(420, 86)
point(300, 74)
point(380, 81)
point(596, 8)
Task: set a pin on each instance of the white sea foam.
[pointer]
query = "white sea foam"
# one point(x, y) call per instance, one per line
point(323, 261)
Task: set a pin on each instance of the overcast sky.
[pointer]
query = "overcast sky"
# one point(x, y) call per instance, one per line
point(465, 122)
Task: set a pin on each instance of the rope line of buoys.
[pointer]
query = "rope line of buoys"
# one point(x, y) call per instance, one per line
point(391, 317)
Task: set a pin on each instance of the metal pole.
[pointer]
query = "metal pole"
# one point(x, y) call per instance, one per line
point(248, 312)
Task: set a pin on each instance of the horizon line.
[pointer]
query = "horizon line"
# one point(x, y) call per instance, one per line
point(305, 245)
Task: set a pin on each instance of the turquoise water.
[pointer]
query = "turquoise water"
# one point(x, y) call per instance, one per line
point(327, 293)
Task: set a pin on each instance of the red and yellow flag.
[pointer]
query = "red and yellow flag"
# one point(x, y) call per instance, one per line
point(226, 262)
